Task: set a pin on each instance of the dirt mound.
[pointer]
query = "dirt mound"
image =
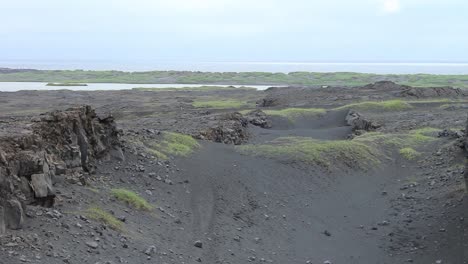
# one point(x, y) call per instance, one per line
point(60, 144)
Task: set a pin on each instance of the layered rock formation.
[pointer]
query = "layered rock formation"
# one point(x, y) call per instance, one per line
point(57, 145)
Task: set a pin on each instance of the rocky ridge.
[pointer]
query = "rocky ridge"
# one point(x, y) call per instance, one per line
point(57, 146)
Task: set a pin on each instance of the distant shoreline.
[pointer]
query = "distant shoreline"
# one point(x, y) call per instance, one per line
point(228, 78)
point(396, 67)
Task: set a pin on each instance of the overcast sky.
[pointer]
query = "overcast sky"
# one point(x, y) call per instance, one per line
point(235, 30)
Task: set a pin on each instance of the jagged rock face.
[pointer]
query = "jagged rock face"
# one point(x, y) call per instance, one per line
point(229, 129)
point(59, 144)
point(79, 134)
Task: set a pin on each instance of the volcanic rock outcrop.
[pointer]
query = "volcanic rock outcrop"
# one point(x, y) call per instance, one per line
point(59, 144)
point(227, 128)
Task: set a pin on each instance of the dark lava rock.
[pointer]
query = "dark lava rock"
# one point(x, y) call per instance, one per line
point(258, 118)
point(58, 143)
point(422, 92)
point(198, 244)
point(418, 92)
point(385, 86)
point(358, 122)
point(228, 129)
point(450, 133)
point(268, 102)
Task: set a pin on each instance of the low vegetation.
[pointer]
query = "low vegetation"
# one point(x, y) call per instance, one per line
point(363, 151)
point(409, 153)
point(413, 138)
point(104, 217)
point(172, 144)
point(220, 104)
point(294, 113)
point(324, 153)
point(237, 78)
point(390, 105)
point(131, 198)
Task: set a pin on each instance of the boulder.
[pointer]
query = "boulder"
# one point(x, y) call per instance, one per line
point(258, 118)
point(228, 129)
point(358, 122)
point(14, 214)
point(42, 185)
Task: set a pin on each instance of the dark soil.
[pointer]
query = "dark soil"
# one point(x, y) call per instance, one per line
point(220, 206)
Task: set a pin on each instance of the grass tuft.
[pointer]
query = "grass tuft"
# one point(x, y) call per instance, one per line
point(409, 153)
point(131, 198)
point(104, 217)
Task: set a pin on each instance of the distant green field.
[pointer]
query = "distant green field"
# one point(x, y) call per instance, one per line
point(234, 78)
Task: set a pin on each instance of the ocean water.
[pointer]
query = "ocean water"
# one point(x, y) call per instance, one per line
point(367, 67)
point(41, 86)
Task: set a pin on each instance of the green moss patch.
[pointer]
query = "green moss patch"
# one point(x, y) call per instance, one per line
point(171, 143)
point(104, 217)
point(323, 153)
point(413, 138)
point(131, 198)
point(409, 153)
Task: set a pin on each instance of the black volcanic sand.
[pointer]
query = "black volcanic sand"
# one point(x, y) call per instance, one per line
point(246, 208)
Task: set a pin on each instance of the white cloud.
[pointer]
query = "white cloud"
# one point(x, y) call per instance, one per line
point(391, 6)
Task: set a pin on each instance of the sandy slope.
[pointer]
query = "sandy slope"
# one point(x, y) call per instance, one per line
point(253, 209)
